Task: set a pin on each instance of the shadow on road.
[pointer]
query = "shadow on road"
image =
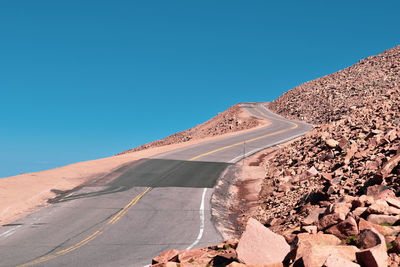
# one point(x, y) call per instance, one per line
point(150, 173)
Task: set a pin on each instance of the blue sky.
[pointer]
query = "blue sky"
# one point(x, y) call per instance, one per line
point(81, 80)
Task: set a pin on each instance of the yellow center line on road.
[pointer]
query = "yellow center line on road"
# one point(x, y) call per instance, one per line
point(122, 212)
point(113, 220)
point(295, 125)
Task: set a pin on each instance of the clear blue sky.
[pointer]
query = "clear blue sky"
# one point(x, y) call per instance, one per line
point(81, 80)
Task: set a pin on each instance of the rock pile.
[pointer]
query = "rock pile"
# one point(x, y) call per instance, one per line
point(334, 96)
point(342, 158)
point(334, 194)
point(231, 120)
point(219, 255)
point(357, 244)
point(349, 157)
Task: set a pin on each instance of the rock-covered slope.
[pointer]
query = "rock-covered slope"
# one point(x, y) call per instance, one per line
point(334, 194)
point(332, 97)
point(231, 120)
point(360, 148)
point(354, 152)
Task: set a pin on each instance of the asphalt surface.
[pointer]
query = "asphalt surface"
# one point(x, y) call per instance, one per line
point(153, 205)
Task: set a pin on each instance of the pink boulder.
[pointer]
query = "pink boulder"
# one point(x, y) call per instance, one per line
point(259, 245)
point(375, 256)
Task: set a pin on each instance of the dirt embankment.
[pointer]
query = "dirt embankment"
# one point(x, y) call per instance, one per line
point(231, 120)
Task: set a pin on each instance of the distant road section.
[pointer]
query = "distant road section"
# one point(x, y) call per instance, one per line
point(154, 204)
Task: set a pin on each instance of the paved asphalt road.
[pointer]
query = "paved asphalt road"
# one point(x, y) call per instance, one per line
point(154, 204)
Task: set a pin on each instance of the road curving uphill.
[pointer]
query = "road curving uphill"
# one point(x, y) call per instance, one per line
point(152, 205)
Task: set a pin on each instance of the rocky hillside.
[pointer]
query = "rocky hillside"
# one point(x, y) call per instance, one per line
point(335, 160)
point(334, 194)
point(231, 120)
point(354, 156)
point(332, 97)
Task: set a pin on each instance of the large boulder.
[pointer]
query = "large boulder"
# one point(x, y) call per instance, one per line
point(259, 245)
point(304, 243)
point(383, 219)
point(384, 230)
point(344, 229)
point(318, 254)
point(374, 254)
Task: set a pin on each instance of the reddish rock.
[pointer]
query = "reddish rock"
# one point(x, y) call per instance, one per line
point(259, 245)
point(384, 230)
point(223, 259)
point(372, 256)
point(336, 261)
point(329, 220)
point(366, 200)
point(191, 255)
point(379, 192)
point(350, 153)
point(383, 219)
point(356, 203)
point(305, 241)
point(332, 143)
point(311, 229)
point(381, 207)
point(394, 260)
point(390, 165)
point(313, 216)
point(393, 210)
point(168, 264)
point(326, 176)
point(236, 264)
point(344, 229)
point(396, 245)
point(231, 243)
point(340, 208)
point(166, 256)
point(347, 199)
point(393, 201)
point(368, 239)
point(312, 171)
point(318, 254)
point(359, 211)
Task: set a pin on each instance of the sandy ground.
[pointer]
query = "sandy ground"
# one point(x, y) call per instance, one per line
point(26, 193)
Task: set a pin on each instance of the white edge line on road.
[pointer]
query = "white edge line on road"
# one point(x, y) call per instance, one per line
point(201, 220)
point(199, 236)
point(9, 232)
point(232, 161)
point(267, 146)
